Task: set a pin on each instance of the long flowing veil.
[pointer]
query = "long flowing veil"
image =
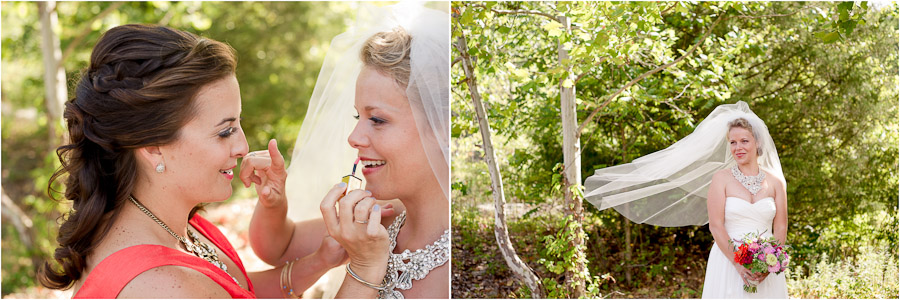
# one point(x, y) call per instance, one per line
point(669, 187)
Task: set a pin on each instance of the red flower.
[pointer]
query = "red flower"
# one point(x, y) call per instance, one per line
point(742, 255)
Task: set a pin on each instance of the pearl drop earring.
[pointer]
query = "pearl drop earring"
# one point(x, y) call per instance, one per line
point(160, 168)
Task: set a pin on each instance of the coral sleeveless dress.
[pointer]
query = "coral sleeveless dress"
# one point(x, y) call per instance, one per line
point(118, 269)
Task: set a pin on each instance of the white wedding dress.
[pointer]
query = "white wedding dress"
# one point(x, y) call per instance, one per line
point(722, 280)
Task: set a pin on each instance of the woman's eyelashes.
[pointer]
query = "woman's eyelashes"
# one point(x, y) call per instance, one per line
point(227, 132)
point(377, 120)
point(374, 119)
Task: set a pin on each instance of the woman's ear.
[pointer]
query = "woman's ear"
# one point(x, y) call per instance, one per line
point(152, 157)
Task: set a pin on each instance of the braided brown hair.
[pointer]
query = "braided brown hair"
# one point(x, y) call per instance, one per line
point(138, 91)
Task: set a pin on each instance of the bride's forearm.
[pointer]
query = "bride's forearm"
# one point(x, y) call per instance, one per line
point(270, 233)
point(780, 233)
point(353, 288)
point(723, 241)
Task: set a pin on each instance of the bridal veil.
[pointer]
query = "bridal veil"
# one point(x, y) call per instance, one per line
point(669, 187)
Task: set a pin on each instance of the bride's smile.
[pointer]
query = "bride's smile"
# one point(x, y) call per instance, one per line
point(371, 165)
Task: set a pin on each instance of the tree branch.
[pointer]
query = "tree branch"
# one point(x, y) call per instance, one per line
point(86, 30)
point(20, 220)
point(675, 3)
point(519, 12)
point(651, 72)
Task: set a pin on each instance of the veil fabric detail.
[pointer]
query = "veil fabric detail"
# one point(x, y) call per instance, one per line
point(669, 187)
point(322, 155)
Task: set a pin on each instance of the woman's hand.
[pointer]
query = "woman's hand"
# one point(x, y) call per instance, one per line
point(759, 277)
point(330, 253)
point(356, 225)
point(745, 273)
point(266, 170)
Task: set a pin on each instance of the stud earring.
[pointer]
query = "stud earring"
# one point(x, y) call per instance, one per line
point(160, 168)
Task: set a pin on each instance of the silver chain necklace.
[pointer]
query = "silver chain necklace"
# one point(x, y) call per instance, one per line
point(752, 183)
point(413, 265)
point(198, 248)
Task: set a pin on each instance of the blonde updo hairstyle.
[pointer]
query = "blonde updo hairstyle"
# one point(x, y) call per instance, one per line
point(388, 53)
point(745, 124)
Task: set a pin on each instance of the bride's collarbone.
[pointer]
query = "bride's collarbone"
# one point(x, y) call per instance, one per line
point(736, 190)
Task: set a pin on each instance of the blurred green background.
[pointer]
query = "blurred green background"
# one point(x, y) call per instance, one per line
point(280, 48)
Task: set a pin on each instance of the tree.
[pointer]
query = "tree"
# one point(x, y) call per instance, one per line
point(525, 274)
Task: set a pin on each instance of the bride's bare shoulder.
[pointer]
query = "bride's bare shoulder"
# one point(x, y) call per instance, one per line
point(721, 175)
point(774, 181)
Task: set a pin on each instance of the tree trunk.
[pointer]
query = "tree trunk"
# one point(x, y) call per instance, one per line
point(515, 264)
point(628, 263)
point(572, 170)
point(55, 92)
point(19, 219)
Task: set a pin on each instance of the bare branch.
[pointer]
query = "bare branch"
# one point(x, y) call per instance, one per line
point(519, 12)
point(669, 101)
point(19, 218)
point(670, 8)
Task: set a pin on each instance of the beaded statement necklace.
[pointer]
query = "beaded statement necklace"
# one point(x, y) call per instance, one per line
point(751, 183)
point(197, 248)
point(407, 266)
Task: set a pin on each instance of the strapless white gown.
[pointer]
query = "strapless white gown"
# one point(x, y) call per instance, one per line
point(722, 280)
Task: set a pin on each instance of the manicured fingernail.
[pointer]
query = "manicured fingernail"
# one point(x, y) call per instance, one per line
point(376, 208)
point(369, 192)
point(342, 184)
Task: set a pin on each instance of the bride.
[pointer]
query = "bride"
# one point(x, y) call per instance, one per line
point(727, 173)
point(391, 72)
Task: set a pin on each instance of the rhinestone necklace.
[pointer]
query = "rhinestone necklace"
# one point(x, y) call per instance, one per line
point(413, 265)
point(752, 183)
point(198, 248)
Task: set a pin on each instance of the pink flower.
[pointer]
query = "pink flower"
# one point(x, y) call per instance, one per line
point(769, 250)
point(775, 268)
point(754, 247)
point(761, 256)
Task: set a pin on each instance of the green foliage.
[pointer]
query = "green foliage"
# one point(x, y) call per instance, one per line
point(558, 256)
point(871, 274)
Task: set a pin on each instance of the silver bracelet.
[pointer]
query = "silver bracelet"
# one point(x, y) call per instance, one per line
point(380, 287)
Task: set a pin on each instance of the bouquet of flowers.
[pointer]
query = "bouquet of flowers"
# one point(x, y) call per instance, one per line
point(761, 255)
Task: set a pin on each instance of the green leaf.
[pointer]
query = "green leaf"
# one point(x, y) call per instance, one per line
point(618, 61)
point(828, 37)
point(553, 28)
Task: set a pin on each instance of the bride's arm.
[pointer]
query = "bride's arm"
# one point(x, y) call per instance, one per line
point(779, 227)
point(715, 205)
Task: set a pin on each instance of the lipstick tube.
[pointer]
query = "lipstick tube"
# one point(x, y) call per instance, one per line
point(353, 182)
